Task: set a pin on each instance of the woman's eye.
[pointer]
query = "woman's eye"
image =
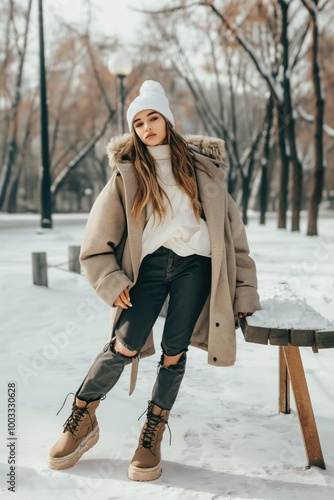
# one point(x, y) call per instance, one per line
point(138, 125)
point(154, 118)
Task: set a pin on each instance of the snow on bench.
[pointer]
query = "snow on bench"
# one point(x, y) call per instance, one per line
point(286, 319)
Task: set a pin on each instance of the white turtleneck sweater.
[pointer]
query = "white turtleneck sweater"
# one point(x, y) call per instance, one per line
point(179, 231)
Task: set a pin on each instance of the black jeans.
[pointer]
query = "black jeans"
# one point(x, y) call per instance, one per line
point(187, 280)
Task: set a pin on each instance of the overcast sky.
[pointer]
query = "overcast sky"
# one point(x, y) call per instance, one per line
point(107, 16)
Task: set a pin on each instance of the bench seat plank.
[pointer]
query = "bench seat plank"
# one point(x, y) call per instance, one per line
point(321, 339)
point(324, 339)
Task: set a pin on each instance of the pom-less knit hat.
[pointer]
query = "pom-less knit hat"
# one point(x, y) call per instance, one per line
point(151, 96)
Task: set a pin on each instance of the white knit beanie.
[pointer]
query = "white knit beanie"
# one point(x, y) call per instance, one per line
point(151, 96)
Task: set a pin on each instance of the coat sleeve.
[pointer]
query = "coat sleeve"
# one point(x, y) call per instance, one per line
point(246, 296)
point(104, 231)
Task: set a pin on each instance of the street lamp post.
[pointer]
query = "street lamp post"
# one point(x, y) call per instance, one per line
point(46, 203)
point(121, 66)
point(121, 93)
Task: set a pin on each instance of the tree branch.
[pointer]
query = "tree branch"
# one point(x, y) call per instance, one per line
point(59, 180)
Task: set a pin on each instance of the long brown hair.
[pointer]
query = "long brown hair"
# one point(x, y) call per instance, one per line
point(149, 189)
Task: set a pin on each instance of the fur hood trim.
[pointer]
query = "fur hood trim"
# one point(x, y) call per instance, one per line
point(211, 147)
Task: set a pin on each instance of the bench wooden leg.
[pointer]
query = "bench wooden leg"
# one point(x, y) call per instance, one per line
point(304, 406)
point(284, 384)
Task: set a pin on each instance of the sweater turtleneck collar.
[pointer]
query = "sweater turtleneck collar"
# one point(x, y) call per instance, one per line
point(161, 152)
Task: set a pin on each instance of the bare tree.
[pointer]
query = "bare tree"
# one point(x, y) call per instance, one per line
point(290, 120)
point(219, 108)
point(285, 115)
point(279, 82)
point(74, 163)
point(275, 87)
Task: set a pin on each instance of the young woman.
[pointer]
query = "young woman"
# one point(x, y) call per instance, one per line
point(163, 225)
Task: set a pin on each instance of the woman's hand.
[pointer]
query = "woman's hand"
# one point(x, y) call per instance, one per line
point(123, 300)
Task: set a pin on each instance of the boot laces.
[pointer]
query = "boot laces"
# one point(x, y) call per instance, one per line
point(73, 422)
point(151, 428)
point(75, 419)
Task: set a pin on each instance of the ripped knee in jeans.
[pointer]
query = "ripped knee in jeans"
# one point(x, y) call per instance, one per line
point(122, 349)
point(167, 361)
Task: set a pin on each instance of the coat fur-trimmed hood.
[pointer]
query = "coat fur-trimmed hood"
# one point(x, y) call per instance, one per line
point(212, 147)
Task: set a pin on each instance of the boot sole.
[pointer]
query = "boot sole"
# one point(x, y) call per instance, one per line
point(69, 460)
point(140, 474)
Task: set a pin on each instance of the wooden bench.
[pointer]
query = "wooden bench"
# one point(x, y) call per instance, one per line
point(291, 371)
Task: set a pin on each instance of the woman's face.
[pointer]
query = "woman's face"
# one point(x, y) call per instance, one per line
point(150, 127)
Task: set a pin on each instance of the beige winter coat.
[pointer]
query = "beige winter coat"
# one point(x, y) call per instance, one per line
point(111, 249)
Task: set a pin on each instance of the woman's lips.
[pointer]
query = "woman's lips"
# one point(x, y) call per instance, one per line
point(149, 136)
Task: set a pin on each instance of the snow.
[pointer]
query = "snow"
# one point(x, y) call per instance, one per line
point(283, 308)
point(310, 119)
point(228, 441)
point(329, 130)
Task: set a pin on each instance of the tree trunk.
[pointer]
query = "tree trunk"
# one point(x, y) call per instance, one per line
point(247, 175)
point(5, 115)
point(265, 162)
point(319, 108)
point(12, 198)
point(284, 175)
point(280, 112)
point(245, 198)
point(297, 173)
point(12, 146)
point(12, 191)
point(263, 192)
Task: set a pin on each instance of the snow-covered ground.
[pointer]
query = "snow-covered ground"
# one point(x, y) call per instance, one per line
point(228, 441)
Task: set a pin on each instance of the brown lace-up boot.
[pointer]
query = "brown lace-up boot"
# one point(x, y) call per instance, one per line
point(81, 432)
point(146, 462)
